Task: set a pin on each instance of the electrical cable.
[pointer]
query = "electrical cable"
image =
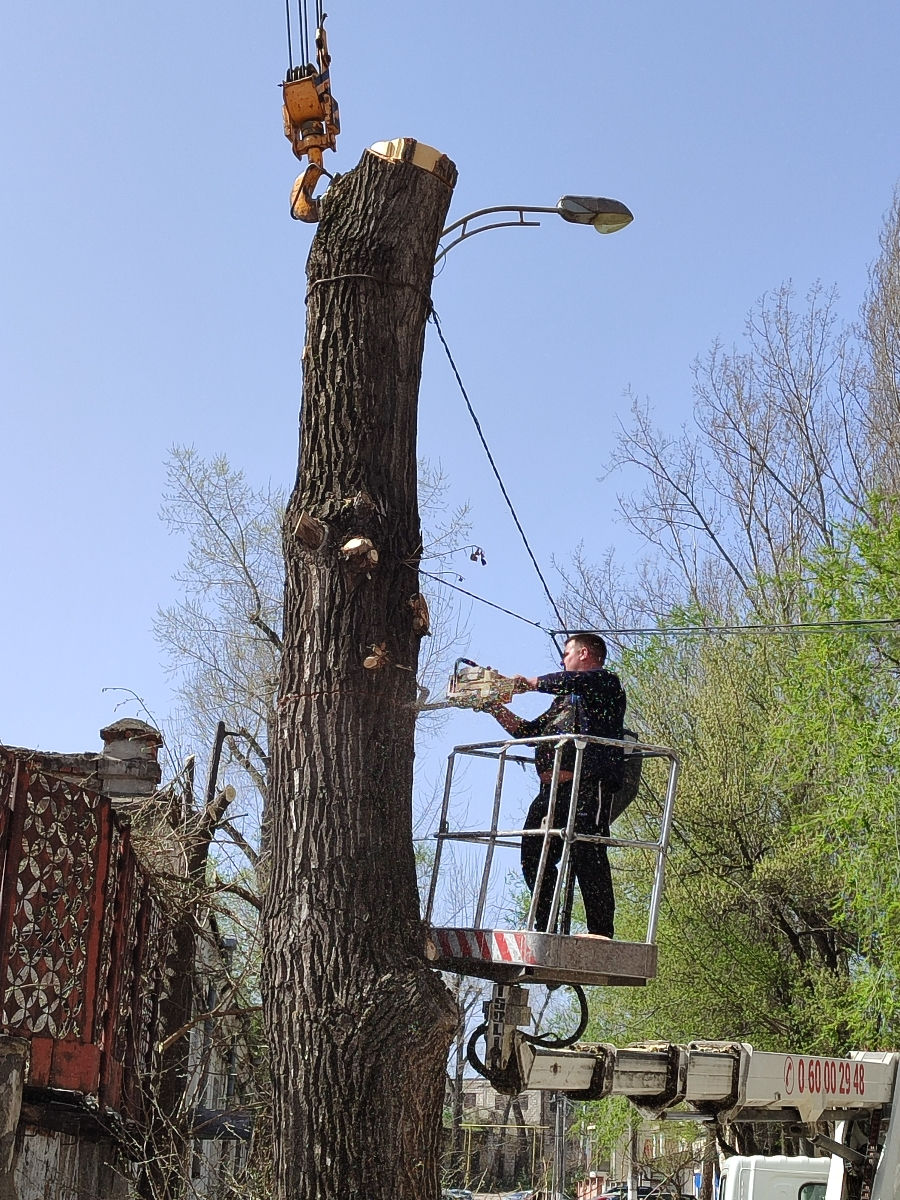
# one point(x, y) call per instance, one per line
point(472, 1054)
point(678, 630)
point(774, 627)
point(770, 627)
point(490, 603)
point(571, 1038)
point(494, 468)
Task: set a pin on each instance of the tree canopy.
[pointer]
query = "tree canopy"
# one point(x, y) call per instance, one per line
point(771, 534)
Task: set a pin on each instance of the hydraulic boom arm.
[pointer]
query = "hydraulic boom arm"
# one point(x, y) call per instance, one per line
point(715, 1082)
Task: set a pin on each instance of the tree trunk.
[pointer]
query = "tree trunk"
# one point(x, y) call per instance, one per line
point(359, 1027)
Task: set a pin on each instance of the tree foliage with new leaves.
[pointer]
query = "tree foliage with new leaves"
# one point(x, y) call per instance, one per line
point(775, 506)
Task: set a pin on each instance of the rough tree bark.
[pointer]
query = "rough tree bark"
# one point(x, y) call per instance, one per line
point(359, 1027)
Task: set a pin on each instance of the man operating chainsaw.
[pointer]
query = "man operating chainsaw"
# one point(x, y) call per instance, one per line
point(588, 700)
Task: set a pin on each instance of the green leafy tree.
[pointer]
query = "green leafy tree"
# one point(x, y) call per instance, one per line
point(780, 904)
point(839, 742)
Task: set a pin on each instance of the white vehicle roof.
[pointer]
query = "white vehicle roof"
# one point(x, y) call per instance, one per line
point(782, 1164)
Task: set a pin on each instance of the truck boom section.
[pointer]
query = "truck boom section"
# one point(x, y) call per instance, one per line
point(714, 1080)
point(730, 1081)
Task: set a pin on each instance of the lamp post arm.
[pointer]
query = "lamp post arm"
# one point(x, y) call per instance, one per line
point(606, 216)
point(463, 223)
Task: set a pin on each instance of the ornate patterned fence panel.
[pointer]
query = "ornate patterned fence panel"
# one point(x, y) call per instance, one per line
point(136, 1003)
point(77, 917)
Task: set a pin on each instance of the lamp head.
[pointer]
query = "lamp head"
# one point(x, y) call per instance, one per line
point(606, 216)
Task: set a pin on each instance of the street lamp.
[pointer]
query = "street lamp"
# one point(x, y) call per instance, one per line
point(606, 216)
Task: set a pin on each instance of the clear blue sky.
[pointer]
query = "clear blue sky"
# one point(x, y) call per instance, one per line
point(152, 281)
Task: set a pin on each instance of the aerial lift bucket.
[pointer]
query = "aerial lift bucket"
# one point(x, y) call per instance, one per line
point(529, 955)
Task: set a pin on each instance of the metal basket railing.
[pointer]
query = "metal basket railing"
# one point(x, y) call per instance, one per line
point(510, 750)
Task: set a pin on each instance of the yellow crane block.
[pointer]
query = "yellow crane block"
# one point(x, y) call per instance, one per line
point(311, 124)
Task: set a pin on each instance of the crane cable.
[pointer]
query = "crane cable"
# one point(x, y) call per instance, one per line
point(290, 45)
point(303, 31)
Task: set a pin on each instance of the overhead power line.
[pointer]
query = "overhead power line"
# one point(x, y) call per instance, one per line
point(756, 627)
point(495, 469)
point(860, 623)
point(490, 603)
point(773, 627)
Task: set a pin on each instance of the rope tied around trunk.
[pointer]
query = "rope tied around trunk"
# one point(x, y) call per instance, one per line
point(401, 283)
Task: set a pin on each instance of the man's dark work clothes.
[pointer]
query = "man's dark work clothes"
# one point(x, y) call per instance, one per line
point(591, 702)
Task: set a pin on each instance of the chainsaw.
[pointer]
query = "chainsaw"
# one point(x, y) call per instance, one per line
point(473, 686)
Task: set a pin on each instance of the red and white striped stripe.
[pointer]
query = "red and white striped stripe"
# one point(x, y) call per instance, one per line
point(485, 945)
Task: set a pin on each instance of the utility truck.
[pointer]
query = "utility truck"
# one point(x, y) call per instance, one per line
point(709, 1082)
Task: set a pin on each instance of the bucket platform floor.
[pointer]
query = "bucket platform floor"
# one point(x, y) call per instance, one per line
point(522, 956)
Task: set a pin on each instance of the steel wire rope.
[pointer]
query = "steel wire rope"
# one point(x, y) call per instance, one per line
point(437, 324)
point(287, 16)
point(300, 35)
